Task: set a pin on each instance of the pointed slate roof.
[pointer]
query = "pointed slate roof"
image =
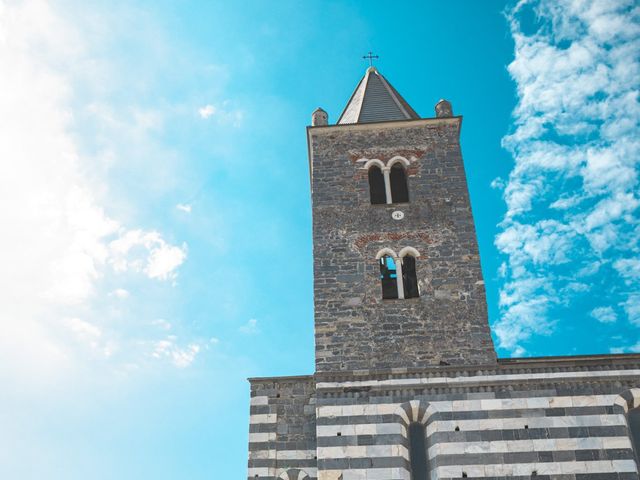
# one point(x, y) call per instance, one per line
point(375, 100)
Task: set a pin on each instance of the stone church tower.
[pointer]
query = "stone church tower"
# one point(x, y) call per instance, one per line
point(407, 384)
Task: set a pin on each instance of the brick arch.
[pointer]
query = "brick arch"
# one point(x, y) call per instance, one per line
point(398, 159)
point(415, 411)
point(386, 251)
point(293, 474)
point(368, 163)
point(629, 399)
point(409, 251)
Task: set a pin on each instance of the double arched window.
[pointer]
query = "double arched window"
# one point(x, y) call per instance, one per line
point(398, 275)
point(388, 183)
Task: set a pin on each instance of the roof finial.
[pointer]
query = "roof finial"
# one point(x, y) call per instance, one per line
point(370, 56)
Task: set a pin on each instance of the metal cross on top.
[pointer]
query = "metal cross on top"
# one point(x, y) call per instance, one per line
point(370, 56)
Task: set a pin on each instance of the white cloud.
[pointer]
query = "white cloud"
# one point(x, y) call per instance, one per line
point(186, 208)
point(164, 260)
point(162, 323)
point(223, 113)
point(120, 293)
point(629, 268)
point(632, 308)
point(181, 357)
point(206, 111)
point(60, 240)
point(604, 314)
point(250, 328)
point(498, 183)
point(146, 252)
point(82, 328)
point(572, 196)
point(628, 349)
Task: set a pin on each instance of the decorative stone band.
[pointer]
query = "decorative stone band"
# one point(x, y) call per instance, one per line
point(504, 366)
point(478, 380)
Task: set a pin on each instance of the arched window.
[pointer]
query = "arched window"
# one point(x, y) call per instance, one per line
point(398, 273)
point(388, 277)
point(398, 180)
point(418, 451)
point(376, 185)
point(409, 277)
point(633, 417)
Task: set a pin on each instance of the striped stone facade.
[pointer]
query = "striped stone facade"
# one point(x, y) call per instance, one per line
point(560, 418)
point(386, 367)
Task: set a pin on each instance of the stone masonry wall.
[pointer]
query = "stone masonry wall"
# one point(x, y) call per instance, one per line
point(559, 419)
point(282, 429)
point(354, 327)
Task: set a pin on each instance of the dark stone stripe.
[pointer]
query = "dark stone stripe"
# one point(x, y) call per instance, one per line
point(275, 478)
point(358, 419)
point(282, 445)
point(479, 436)
point(567, 476)
point(531, 457)
point(258, 446)
point(262, 427)
point(262, 409)
point(527, 434)
point(524, 413)
point(351, 463)
point(279, 463)
point(453, 393)
point(389, 439)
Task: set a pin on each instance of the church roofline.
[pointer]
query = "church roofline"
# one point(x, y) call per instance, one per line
point(282, 379)
point(561, 361)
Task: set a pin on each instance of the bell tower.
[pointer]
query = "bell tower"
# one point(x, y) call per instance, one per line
point(397, 278)
point(407, 385)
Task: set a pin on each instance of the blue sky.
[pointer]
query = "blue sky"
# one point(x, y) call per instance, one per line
point(155, 196)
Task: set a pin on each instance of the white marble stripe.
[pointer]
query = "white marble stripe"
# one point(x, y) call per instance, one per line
point(260, 400)
point(523, 377)
point(262, 454)
point(531, 422)
point(295, 454)
point(544, 445)
point(360, 429)
point(264, 418)
point(542, 468)
point(473, 425)
point(471, 405)
point(261, 472)
point(258, 437)
point(367, 473)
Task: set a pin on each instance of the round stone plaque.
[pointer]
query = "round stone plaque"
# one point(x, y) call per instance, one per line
point(397, 215)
